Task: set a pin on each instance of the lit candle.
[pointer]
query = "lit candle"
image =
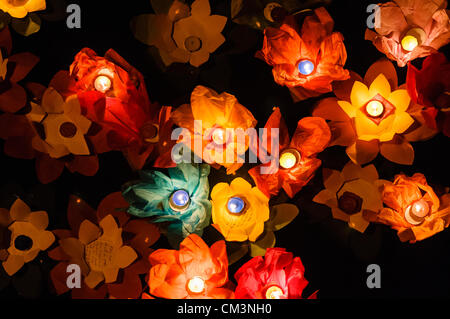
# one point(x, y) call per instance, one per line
point(409, 43)
point(179, 200)
point(196, 285)
point(102, 83)
point(416, 212)
point(375, 108)
point(235, 205)
point(274, 292)
point(305, 67)
point(289, 158)
point(218, 136)
point(420, 208)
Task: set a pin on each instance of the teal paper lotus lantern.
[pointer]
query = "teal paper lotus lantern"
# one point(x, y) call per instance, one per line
point(179, 199)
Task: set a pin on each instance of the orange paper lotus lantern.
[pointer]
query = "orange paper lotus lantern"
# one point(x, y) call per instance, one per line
point(370, 116)
point(110, 249)
point(54, 133)
point(212, 121)
point(350, 193)
point(112, 93)
point(413, 208)
point(410, 29)
point(307, 59)
point(13, 69)
point(195, 271)
point(297, 160)
point(27, 233)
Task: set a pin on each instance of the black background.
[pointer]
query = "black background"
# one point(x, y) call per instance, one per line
point(335, 256)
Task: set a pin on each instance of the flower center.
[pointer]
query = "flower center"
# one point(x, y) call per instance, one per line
point(218, 136)
point(416, 212)
point(375, 108)
point(196, 285)
point(193, 43)
point(179, 200)
point(102, 83)
point(350, 203)
point(99, 254)
point(68, 129)
point(23, 243)
point(274, 292)
point(289, 158)
point(412, 39)
point(306, 67)
point(235, 205)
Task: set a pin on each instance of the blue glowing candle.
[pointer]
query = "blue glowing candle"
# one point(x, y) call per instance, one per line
point(179, 200)
point(305, 67)
point(236, 205)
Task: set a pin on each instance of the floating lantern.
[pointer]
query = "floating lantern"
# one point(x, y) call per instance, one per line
point(236, 205)
point(306, 67)
point(102, 83)
point(375, 108)
point(179, 200)
point(289, 158)
point(274, 292)
point(196, 285)
point(175, 275)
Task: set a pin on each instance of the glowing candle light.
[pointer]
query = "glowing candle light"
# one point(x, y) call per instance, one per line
point(289, 159)
point(102, 83)
point(416, 212)
point(409, 43)
point(179, 200)
point(218, 136)
point(274, 292)
point(375, 108)
point(305, 67)
point(196, 285)
point(235, 205)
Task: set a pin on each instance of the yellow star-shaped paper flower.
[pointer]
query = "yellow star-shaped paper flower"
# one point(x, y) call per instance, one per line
point(64, 126)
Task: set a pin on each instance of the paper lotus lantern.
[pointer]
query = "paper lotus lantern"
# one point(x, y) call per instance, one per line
point(277, 275)
point(215, 138)
point(297, 160)
point(306, 60)
point(110, 249)
point(239, 210)
point(410, 29)
point(113, 94)
point(180, 199)
point(180, 34)
point(27, 233)
point(195, 271)
point(19, 9)
point(350, 193)
point(370, 116)
point(413, 208)
point(13, 69)
point(430, 87)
